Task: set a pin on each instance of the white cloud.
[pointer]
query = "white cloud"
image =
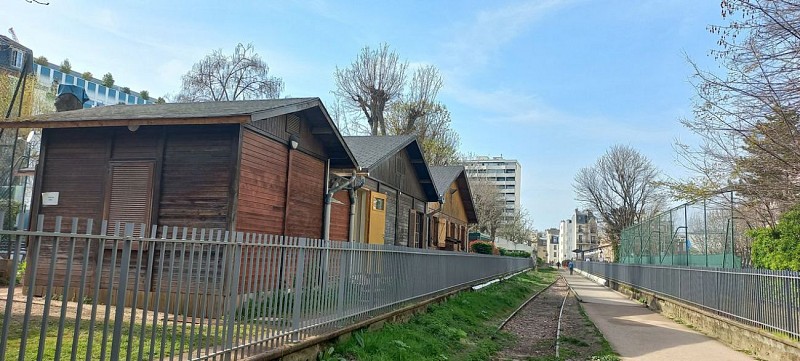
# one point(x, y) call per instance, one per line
point(473, 44)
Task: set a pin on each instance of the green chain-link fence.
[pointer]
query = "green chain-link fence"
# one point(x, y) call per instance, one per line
point(702, 233)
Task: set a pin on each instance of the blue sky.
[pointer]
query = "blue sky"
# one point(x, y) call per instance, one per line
point(552, 84)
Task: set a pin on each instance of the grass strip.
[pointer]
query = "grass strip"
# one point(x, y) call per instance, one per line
point(463, 328)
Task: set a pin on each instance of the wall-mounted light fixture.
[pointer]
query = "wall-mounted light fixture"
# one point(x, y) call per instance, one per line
point(294, 141)
point(133, 127)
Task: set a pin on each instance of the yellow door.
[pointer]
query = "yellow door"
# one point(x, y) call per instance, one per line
point(377, 217)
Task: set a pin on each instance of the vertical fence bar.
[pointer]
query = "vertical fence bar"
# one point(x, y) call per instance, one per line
point(298, 289)
point(148, 285)
point(49, 291)
point(235, 255)
point(10, 295)
point(116, 339)
point(65, 289)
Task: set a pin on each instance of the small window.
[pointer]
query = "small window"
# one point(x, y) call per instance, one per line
point(16, 58)
point(378, 204)
point(399, 166)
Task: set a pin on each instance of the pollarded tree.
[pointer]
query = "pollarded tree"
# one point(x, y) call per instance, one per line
point(621, 187)
point(438, 140)
point(374, 80)
point(242, 75)
point(419, 101)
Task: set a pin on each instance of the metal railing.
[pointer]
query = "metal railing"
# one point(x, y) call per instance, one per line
point(765, 299)
point(96, 292)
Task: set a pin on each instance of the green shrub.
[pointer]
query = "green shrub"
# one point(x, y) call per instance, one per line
point(21, 271)
point(482, 247)
point(521, 254)
point(108, 80)
point(778, 248)
point(87, 75)
point(66, 66)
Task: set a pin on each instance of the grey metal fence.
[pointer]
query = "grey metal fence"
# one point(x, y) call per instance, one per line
point(769, 300)
point(95, 292)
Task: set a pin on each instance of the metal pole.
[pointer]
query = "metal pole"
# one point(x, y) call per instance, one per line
point(705, 229)
point(686, 231)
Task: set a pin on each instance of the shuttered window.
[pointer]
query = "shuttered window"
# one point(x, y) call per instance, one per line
point(130, 197)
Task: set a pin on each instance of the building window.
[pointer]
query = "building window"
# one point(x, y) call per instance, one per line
point(554, 255)
point(16, 58)
point(511, 179)
point(580, 238)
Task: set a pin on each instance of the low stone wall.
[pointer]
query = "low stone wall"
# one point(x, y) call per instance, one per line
point(757, 342)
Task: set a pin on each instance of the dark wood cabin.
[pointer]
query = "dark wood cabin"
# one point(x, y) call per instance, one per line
point(213, 165)
point(390, 208)
point(455, 211)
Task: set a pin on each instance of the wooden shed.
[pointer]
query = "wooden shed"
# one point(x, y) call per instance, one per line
point(391, 207)
point(253, 166)
point(455, 211)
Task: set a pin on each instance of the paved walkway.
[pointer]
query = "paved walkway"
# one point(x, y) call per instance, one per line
point(637, 333)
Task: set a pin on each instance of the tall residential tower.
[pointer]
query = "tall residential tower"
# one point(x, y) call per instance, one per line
point(505, 174)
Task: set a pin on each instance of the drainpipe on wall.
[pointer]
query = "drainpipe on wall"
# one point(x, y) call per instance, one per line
point(352, 183)
point(352, 216)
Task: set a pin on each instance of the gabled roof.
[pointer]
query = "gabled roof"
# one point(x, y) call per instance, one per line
point(371, 151)
point(160, 113)
point(232, 112)
point(444, 176)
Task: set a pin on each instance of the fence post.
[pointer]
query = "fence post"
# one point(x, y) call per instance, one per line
point(232, 268)
point(122, 286)
point(344, 257)
point(298, 289)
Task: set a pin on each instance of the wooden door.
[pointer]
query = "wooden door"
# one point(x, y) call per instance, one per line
point(377, 218)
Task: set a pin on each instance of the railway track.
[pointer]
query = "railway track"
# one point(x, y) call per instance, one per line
point(537, 323)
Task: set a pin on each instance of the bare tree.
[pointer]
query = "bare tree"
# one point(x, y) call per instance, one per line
point(621, 187)
point(242, 75)
point(518, 229)
point(489, 205)
point(420, 100)
point(746, 117)
point(439, 141)
point(371, 83)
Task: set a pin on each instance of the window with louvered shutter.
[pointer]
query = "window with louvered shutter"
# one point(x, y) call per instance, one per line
point(130, 196)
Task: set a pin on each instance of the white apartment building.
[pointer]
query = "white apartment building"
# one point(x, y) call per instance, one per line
point(506, 174)
point(577, 233)
point(551, 237)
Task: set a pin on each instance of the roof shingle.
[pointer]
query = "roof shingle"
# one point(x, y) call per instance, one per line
point(370, 151)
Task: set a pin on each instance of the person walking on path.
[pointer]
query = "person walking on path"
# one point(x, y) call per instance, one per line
point(571, 266)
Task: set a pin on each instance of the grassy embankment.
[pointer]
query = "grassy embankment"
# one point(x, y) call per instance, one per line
point(463, 328)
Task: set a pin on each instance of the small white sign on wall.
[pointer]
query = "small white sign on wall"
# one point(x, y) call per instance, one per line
point(50, 198)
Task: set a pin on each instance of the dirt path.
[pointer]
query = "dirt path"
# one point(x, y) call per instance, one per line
point(534, 329)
